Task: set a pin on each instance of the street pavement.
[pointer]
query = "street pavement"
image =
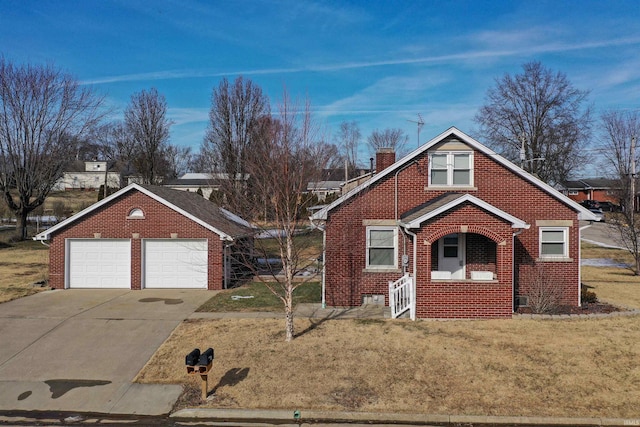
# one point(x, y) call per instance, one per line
point(601, 234)
point(79, 350)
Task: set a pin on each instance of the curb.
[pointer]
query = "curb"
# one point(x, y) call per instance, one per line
point(373, 418)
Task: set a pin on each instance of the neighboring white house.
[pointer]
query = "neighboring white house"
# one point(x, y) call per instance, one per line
point(193, 181)
point(89, 176)
point(206, 182)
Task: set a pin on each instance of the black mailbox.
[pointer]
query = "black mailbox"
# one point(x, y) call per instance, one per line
point(206, 358)
point(193, 357)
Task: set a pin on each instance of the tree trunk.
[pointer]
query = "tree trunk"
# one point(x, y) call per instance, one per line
point(288, 304)
point(288, 320)
point(21, 229)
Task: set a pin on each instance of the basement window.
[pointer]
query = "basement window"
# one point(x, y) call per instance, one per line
point(135, 214)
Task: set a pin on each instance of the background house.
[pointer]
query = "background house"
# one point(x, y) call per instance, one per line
point(599, 189)
point(208, 183)
point(88, 175)
point(334, 182)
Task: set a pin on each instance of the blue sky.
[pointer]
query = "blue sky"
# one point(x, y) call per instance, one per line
point(378, 63)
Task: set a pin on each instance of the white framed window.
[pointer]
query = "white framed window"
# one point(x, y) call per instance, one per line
point(554, 242)
point(573, 192)
point(382, 247)
point(451, 169)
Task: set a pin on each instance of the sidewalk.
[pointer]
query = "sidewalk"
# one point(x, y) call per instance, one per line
point(311, 311)
point(283, 417)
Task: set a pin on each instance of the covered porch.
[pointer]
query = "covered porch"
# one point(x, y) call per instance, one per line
point(463, 257)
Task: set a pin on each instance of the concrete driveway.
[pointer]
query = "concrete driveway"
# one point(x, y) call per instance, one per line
point(79, 350)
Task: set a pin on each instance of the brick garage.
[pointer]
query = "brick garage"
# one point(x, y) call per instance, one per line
point(144, 237)
point(474, 231)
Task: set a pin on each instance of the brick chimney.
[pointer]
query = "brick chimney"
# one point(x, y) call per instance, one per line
point(385, 157)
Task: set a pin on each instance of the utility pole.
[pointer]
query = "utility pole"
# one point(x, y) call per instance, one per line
point(523, 151)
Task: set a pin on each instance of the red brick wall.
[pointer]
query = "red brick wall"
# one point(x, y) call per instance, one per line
point(111, 222)
point(346, 278)
point(597, 195)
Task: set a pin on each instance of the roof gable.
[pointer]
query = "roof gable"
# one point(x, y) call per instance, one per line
point(451, 136)
point(191, 205)
point(439, 205)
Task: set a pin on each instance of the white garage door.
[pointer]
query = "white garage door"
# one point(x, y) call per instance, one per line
point(99, 263)
point(175, 263)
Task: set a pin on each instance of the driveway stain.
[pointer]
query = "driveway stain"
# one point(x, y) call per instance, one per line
point(167, 301)
point(24, 395)
point(59, 387)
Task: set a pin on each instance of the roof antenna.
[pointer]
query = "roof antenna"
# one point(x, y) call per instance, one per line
point(420, 123)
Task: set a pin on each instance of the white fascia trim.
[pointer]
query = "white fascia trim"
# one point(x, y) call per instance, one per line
point(583, 213)
point(45, 235)
point(515, 222)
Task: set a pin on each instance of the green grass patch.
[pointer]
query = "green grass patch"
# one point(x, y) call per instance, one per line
point(262, 299)
point(308, 241)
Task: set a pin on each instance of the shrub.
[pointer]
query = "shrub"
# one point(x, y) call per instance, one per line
point(587, 296)
point(544, 295)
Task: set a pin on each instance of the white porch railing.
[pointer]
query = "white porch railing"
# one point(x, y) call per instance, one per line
point(402, 296)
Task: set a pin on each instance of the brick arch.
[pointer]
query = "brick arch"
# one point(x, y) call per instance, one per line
point(473, 229)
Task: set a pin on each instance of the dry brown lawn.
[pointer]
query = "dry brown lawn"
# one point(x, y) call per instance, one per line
point(20, 266)
point(617, 286)
point(578, 367)
point(74, 201)
point(497, 367)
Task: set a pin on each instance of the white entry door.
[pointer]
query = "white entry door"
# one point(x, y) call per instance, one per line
point(175, 263)
point(451, 255)
point(98, 263)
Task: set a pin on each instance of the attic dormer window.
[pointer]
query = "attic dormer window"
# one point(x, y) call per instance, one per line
point(135, 214)
point(451, 169)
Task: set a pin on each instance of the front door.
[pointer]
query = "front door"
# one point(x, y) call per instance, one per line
point(451, 255)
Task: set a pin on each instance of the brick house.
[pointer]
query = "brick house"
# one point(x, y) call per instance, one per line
point(452, 230)
point(146, 236)
point(599, 189)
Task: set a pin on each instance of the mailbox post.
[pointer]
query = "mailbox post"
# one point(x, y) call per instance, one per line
point(200, 364)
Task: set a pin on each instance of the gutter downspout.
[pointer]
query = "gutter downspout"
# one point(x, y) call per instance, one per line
point(395, 209)
point(324, 247)
point(580, 260)
point(415, 271)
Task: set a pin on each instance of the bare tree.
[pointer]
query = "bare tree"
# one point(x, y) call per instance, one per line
point(288, 158)
point(388, 138)
point(348, 141)
point(620, 132)
point(42, 110)
point(235, 113)
point(537, 118)
point(176, 161)
point(147, 125)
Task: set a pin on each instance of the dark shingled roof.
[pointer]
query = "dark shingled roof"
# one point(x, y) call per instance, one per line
point(602, 183)
point(200, 208)
point(430, 206)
